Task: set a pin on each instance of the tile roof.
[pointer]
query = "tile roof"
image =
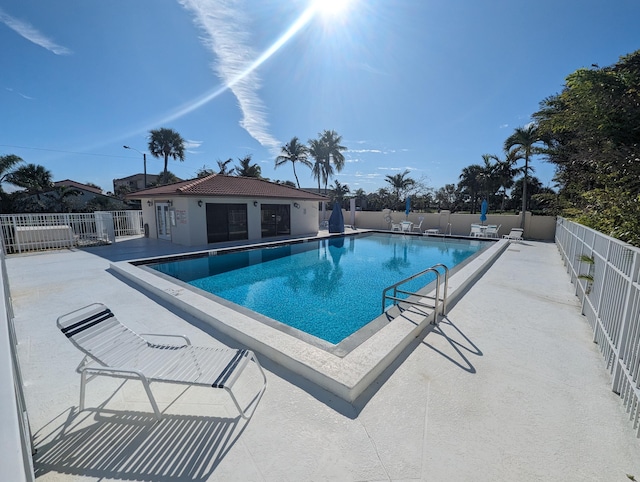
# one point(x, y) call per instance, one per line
point(77, 185)
point(228, 186)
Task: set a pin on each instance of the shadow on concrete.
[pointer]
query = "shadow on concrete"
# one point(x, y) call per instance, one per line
point(446, 325)
point(134, 446)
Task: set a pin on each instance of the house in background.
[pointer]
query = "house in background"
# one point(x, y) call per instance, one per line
point(73, 196)
point(219, 208)
point(134, 182)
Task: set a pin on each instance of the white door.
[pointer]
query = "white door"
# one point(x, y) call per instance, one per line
point(162, 221)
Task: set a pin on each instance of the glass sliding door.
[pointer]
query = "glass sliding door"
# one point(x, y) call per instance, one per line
point(275, 219)
point(226, 222)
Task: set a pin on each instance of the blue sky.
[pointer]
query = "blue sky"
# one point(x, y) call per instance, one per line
point(421, 85)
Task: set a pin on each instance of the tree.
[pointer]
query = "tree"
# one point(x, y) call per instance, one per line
point(294, 152)
point(204, 171)
point(166, 143)
point(60, 198)
point(591, 134)
point(470, 184)
point(505, 170)
point(223, 167)
point(448, 197)
point(246, 169)
point(327, 153)
point(317, 151)
point(35, 179)
point(338, 192)
point(400, 184)
point(7, 163)
point(524, 138)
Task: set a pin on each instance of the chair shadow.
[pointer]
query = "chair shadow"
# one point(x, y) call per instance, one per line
point(134, 445)
point(465, 344)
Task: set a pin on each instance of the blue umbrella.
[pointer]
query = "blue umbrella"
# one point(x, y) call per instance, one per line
point(483, 210)
point(407, 207)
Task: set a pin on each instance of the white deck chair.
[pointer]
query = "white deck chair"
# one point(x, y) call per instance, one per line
point(418, 227)
point(476, 231)
point(492, 231)
point(112, 349)
point(514, 235)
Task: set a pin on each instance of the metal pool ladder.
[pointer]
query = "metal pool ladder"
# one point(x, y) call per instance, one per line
point(415, 298)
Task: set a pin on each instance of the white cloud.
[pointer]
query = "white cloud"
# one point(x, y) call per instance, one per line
point(30, 33)
point(190, 144)
point(374, 151)
point(226, 34)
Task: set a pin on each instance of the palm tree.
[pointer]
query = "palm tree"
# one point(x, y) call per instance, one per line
point(34, 178)
point(294, 152)
point(317, 151)
point(166, 143)
point(204, 171)
point(246, 169)
point(7, 163)
point(326, 150)
point(223, 167)
point(338, 192)
point(524, 138)
point(400, 184)
point(470, 181)
point(505, 170)
point(60, 195)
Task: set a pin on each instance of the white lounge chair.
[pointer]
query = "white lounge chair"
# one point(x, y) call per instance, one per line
point(112, 349)
point(417, 227)
point(514, 235)
point(476, 231)
point(492, 231)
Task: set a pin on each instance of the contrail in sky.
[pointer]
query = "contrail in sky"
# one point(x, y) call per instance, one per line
point(30, 33)
point(226, 29)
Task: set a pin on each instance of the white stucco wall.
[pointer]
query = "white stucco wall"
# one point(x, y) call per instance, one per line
point(190, 228)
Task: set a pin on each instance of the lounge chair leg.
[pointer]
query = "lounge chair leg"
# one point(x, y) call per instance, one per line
point(246, 414)
point(83, 384)
point(152, 400)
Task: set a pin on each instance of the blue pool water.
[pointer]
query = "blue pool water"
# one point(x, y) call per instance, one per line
point(329, 288)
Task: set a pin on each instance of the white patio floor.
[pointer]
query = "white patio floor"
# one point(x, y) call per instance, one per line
point(508, 387)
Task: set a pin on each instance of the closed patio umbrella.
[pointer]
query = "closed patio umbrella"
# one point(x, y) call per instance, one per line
point(483, 210)
point(407, 207)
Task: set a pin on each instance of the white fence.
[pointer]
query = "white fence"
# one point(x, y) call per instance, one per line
point(15, 436)
point(606, 274)
point(30, 232)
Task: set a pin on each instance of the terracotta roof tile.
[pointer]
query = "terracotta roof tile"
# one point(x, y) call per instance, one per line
point(229, 186)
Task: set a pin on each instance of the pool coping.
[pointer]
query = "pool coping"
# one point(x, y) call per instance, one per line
point(345, 376)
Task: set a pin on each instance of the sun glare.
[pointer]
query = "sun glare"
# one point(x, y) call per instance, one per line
point(331, 7)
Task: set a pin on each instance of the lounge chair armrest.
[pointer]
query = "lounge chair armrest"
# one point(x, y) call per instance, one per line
point(162, 335)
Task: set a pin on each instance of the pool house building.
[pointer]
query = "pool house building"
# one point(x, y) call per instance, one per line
point(220, 208)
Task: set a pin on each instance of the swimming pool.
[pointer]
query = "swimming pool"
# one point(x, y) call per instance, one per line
point(328, 288)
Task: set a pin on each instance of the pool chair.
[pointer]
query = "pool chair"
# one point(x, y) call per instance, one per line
point(417, 227)
point(492, 231)
point(111, 349)
point(477, 231)
point(514, 235)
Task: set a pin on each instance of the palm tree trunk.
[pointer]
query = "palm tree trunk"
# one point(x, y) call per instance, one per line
point(295, 175)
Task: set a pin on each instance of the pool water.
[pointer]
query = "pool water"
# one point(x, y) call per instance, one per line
point(329, 288)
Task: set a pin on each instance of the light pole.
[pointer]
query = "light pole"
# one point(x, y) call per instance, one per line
point(144, 157)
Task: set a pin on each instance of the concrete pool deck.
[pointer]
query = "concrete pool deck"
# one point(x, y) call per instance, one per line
point(508, 387)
